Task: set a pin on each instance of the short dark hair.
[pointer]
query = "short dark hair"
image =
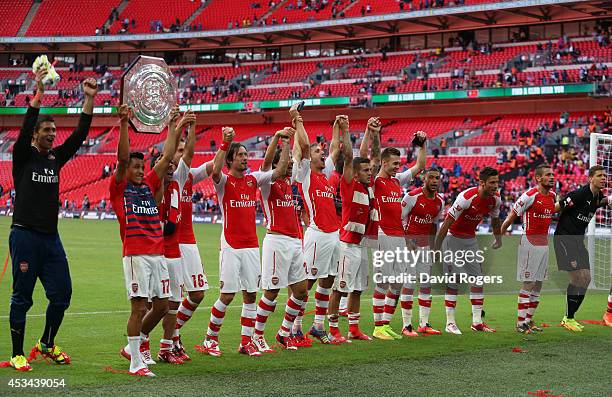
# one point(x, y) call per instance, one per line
point(486, 173)
point(136, 155)
point(231, 152)
point(357, 161)
point(43, 118)
point(596, 168)
point(539, 171)
point(388, 152)
point(433, 169)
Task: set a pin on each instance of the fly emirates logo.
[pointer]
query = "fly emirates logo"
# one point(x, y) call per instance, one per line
point(244, 202)
point(48, 177)
point(328, 193)
point(423, 221)
point(145, 208)
point(394, 198)
point(286, 201)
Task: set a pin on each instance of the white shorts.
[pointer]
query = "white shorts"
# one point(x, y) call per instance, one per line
point(146, 276)
point(396, 267)
point(532, 261)
point(175, 272)
point(282, 262)
point(353, 269)
point(194, 278)
point(423, 265)
point(239, 270)
point(321, 253)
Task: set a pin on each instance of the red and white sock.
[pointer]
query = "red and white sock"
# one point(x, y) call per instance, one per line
point(523, 305)
point(477, 300)
point(534, 301)
point(333, 324)
point(610, 302)
point(217, 314)
point(406, 303)
point(264, 308)
point(450, 303)
point(321, 304)
point(165, 344)
point(378, 305)
point(424, 305)
point(292, 309)
point(353, 320)
point(391, 299)
point(185, 311)
point(247, 320)
point(297, 324)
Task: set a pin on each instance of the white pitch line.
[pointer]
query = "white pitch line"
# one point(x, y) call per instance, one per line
point(364, 298)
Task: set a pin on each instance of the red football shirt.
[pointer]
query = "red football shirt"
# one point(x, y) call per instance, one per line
point(238, 199)
point(469, 209)
point(192, 177)
point(170, 212)
point(138, 215)
point(278, 207)
point(388, 193)
point(537, 211)
point(318, 196)
point(419, 212)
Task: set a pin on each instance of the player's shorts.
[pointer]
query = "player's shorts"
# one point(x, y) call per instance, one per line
point(532, 261)
point(146, 276)
point(423, 265)
point(175, 272)
point(194, 278)
point(571, 253)
point(321, 253)
point(282, 262)
point(239, 270)
point(353, 268)
point(463, 259)
point(396, 267)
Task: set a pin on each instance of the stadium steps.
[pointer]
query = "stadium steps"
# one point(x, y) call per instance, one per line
point(120, 9)
point(271, 10)
point(195, 14)
point(475, 132)
point(28, 19)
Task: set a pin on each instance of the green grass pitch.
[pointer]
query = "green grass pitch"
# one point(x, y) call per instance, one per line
point(469, 365)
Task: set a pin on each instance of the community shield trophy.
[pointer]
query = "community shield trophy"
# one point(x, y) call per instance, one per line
point(149, 88)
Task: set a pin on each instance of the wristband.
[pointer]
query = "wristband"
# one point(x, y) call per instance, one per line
point(224, 146)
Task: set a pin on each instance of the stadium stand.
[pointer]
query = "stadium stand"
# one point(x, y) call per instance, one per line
point(70, 18)
point(13, 14)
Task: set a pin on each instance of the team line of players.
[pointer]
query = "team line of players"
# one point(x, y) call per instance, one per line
point(161, 259)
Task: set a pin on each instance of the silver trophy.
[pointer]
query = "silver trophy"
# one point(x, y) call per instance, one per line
point(149, 88)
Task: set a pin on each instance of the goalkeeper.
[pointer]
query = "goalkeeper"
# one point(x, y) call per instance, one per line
point(34, 243)
point(577, 210)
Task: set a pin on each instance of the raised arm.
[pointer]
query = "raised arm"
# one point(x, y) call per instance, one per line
point(364, 147)
point(301, 144)
point(66, 150)
point(189, 119)
point(283, 163)
point(334, 147)
point(123, 149)
point(161, 167)
point(21, 148)
point(421, 161)
point(271, 151)
point(228, 137)
point(347, 150)
point(374, 128)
